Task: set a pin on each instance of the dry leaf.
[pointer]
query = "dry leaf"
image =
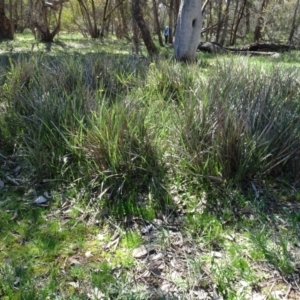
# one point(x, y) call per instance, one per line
point(14, 216)
point(74, 284)
point(96, 294)
point(100, 237)
point(156, 256)
point(74, 261)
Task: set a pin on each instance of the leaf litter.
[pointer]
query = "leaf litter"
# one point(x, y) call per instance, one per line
point(171, 263)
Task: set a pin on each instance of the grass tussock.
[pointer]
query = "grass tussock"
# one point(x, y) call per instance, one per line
point(234, 123)
point(243, 126)
point(123, 150)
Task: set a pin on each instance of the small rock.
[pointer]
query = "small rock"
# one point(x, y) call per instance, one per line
point(88, 254)
point(142, 251)
point(147, 229)
point(217, 254)
point(155, 271)
point(156, 256)
point(165, 287)
point(17, 169)
point(100, 236)
point(278, 295)
point(40, 200)
point(257, 296)
point(158, 222)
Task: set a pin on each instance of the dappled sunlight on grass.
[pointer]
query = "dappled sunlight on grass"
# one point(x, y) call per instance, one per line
point(164, 176)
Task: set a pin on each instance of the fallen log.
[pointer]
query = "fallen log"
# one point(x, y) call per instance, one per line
point(263, 47)
point(256, 53)
point(254, 49)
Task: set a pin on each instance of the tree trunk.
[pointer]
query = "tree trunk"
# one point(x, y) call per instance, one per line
point(103, 24)
point(260, 21)
point(226, 19)
point(135, 38)
point(146, 35)
point(40, 18)
point(171, 22)
point(95, 28)
point(175, 8)
point(209, 22)
point(293, 26)
point(248, 5)
point(240, 16)
point(204, 6)
point(107, 21)
point(122, 10)
point(220, 21)
point(188, 30)
point(89, 19)
point(235, 17)
point(5, 25)
point(156, 23)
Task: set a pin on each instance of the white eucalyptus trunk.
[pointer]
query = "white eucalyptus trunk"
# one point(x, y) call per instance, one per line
point(188, 30)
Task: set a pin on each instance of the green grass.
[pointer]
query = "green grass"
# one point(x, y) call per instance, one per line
point(210, 149)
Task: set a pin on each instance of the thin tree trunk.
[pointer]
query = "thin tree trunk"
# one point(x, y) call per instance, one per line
point(226, 19)
point(5, 25)
point(87, 19)
point(176, 7)
point(209, 24)
point(12, 25)
point(293, 26)
point(156, 23)
point(220, 21)
point(171, 22)
point(248, 5)
point(22, 20)
point(146, 35)
point(235, 16)
point(204, 6)
point(108, 16)
point(260, 21)
point(135, 38)
point(240, 16)
point(123, 19)
point(103, 25)
point(95, 29)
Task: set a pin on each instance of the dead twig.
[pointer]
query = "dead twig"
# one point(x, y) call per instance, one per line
point(288, 292)
point(271, 288)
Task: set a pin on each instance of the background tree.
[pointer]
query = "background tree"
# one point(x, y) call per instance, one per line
point(157, 24)
point(229, 22)
point(90, 17)
point(188, 29)
point(6, 31)
point(145, 32)
point(293, 26)
point(44, 14)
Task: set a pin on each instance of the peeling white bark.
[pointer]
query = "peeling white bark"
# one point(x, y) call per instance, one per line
point(188, 30)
